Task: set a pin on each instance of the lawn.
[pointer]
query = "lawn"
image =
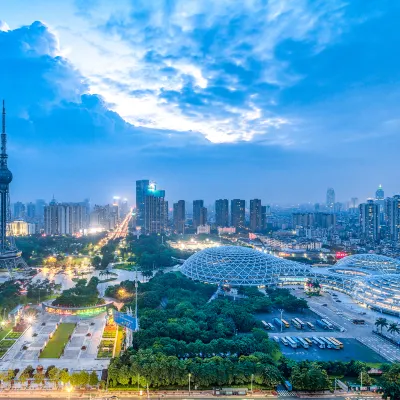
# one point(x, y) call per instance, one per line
point(120, 338)
point(14, 335)
point(5, 330)
point(56, 344)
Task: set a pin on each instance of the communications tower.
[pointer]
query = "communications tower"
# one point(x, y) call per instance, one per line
point(10, 256)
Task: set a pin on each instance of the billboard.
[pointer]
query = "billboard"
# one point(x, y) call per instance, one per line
point(125, 320)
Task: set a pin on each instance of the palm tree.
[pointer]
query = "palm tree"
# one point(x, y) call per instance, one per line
point(102, 273)
point(393, 328)
point(382, 323)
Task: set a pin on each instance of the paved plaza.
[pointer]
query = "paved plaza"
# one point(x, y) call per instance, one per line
point(79, 353)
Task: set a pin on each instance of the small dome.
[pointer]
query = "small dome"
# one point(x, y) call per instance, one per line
point(372, 262)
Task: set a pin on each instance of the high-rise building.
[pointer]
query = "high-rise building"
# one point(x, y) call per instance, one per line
point(380, 200)
point(238, 210)
point(369, 221)
point(19, 210)
point(264, 218)
point(65, 218)
point(179, 216)
point(103, 217)
point(330, 199)
point(155, 210)
point(198, 205)
point(142, 188)
point(39, 209)
point(303, 219)
point(124, 207)
point(222, 213)
point(324, 220)
point(379, 194)
point(392, 217)
point(255, 215)
point(30, 212)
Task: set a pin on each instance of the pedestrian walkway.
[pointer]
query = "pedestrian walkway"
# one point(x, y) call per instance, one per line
point(382, 347)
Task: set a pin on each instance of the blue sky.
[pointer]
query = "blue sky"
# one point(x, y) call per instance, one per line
point(254, 98)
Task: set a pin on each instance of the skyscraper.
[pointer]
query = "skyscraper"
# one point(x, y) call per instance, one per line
point(255, 215)
point(39, 209)
point(222, 213)
point(197, 213)
point(238, 213)
point(380, 200)
point(330, 199)
point(30, 211)
point(379, 194)
point(264, 218)
point(155, 211)
point(179, 216)
point(392, 217)
point(10, 257)
point(369, 221)
point(142, 187)
point(19, 210)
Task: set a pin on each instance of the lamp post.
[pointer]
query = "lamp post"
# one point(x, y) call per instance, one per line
point(189, 382)
point(252, 377)
point(281, 311)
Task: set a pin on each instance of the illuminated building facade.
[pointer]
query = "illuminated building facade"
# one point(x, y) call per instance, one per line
point(22, 228)
point(330, 199)
point(392, 216)
point(65, 218)
point(179, 216)
point(255, 215)
point(369, 221)
point(199, 213)
point(222, 213)
point(238, 214)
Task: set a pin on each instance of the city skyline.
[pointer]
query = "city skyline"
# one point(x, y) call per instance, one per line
point(100, 96)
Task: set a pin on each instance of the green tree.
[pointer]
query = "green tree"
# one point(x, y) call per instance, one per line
point(366, 379)
point(93, 379)
point(38, 378)
point(64, 377)
point(23, 378)
point(124, 375)
point(54, 376)
point(391, 382)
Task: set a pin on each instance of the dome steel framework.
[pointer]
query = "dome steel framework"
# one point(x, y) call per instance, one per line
point(379, 292)
point(371, 262)
point(237, 266)
point(377, 285)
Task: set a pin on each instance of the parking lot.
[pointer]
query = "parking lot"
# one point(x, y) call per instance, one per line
point(353, 350)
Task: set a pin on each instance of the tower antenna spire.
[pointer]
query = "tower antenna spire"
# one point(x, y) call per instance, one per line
point(3, 137)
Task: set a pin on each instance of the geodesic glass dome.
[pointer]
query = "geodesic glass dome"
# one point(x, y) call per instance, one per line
point(372, 262)
point(237, 266)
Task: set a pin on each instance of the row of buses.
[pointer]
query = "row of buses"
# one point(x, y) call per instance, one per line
point(321, 342)
point(297, 323)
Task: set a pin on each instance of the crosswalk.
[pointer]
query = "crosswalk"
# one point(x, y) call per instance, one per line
point(285, 393)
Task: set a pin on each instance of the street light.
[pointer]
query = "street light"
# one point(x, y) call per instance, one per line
point(252, 376)
point(189, 382)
